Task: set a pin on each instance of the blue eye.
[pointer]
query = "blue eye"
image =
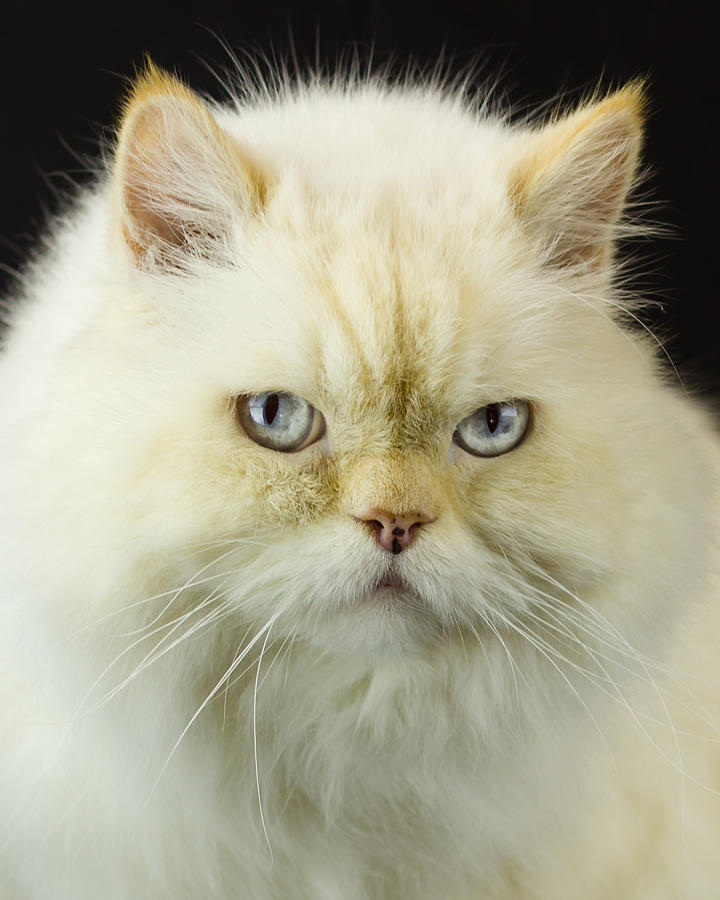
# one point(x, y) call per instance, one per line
point(494, 429)
point(279, 421)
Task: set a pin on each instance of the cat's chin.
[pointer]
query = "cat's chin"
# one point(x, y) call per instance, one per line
point(388, 619)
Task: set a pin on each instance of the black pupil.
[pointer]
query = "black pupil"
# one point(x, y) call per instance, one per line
point(272, 405)
point(492, 417)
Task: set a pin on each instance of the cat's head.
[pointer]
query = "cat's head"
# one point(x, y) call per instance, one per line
point(360, 358)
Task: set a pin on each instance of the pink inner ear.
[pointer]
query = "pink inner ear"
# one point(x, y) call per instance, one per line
point(160, 154)
point(182, 180)
point(149, 225)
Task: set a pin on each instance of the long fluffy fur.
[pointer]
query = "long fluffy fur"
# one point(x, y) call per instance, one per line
point(198, 699)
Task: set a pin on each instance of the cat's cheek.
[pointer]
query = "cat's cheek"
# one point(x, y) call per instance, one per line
point(295, 489)
point(549, 505)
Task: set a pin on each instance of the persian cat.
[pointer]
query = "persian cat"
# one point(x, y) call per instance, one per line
point(354, 543)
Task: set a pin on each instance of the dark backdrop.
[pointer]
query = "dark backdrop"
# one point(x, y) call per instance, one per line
point(63, 69)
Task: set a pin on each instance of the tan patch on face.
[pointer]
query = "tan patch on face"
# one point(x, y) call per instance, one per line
point(378, 358)
point(400, 483)
point(289, 491)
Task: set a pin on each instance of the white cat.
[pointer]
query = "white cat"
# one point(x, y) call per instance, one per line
point(352, 545)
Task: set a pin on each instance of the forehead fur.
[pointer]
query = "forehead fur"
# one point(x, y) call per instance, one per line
point(387, 279)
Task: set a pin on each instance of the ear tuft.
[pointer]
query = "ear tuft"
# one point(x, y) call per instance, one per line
point(180, 181)
point(571, 182)
point(151, 83)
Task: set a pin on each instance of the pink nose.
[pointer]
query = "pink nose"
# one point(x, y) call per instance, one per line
point(393, 533)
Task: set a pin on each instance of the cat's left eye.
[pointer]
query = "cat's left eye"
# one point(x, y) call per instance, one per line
point(494, 429)
point(279, 421)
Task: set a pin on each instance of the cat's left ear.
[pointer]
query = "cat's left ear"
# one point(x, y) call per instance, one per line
point(181, 183)
point(572, 178)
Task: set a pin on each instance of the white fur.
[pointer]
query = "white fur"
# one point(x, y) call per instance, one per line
point(543, 727)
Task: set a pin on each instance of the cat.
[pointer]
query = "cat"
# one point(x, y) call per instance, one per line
point(355, 542)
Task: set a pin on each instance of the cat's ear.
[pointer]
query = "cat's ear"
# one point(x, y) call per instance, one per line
point(180, 182)
point(570, 184)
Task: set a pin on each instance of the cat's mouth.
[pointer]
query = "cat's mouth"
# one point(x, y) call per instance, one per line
point(392, 580)
point(392, 587)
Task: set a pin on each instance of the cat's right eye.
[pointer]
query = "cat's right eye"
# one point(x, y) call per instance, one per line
point(279, 421)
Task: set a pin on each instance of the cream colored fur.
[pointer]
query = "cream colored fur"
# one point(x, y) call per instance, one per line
point(199, 697)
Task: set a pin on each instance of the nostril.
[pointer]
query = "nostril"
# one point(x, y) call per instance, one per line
point(391, 540)
point(373, 524)
point(394, 533)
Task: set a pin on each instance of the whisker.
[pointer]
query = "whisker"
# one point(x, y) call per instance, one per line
point(531, 640)
point(228, 683)
point(218, 686)
point(190, 583)
point(168, 627)
point(607, 628)
point(153, 655)
point(557, 608)
point(514, 668)
point(255, 745)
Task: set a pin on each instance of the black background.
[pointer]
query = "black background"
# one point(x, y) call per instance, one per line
point(64, 69)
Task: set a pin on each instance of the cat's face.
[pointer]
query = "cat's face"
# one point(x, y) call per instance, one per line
point(367, 318)
point(393, 370)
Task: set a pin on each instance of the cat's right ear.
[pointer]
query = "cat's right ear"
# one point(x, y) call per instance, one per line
point(180, 182)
